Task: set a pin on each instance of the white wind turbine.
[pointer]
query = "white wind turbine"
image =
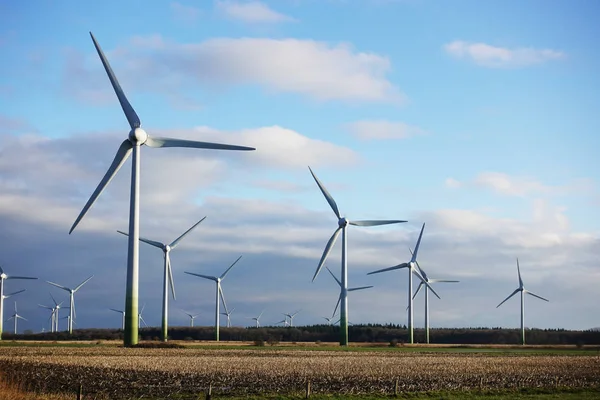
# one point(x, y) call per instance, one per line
point(168, 275)
point(140, 318)
point(219, 291)
point(412, 269)
point(227, 313)
point(192, 317)
point(257, 319)
point(136, 139)
point(71, 299)
point(342, 224)
point(122, 317)
point(429, 281)
point(522, 289)
point(3, 277)
point(349, 290)
point(55, 312)
point(52, 315)
point(16, 317)
point(283, 321)
point(329, 319)
point(291, 317)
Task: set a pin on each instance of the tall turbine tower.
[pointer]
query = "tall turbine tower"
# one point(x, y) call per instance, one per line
point(522, 289)
point(426, 279)
point(412, 269)
point(168, 275)
point(71, 300)
point(136, 139)
point(3, 277)
point(349, 290)
point(220, 296)
point(342, 224)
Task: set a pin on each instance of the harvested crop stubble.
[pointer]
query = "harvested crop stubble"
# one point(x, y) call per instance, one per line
point(122, 373)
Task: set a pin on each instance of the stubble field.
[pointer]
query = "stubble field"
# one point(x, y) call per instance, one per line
point(114, 372)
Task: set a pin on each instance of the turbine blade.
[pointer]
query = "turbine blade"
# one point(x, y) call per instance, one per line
point(399, 266)
point(337, 305)
point(535, 295)
point(414, 255)
point(327, 250)
point(12, 294)
point(59, 286)
point(74, 312)
point(519, 272)
point(1, 270)
point(442, 281)
point(421, 271)
point(19, 277)
point(157, 142)
point(418, 289)
point(375, 222)
point(176, 241)
point(120, 158)
point(82, 283)
point(170, 270)
point(132, 118)
point(231, 266)
point(223, 299)
point(115, 310)
point(142, 310)
point(334, 277)
point(148, 241)
point(511, 295)
point(433, 291)
point(54, 300)
point(142, 319)
point(328, 197)
point(212, 278)
point(359, 288)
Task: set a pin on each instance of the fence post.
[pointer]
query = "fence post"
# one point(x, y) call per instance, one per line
point(396, 388)
point(307, 389)
point(79, 391)
point(209, 392)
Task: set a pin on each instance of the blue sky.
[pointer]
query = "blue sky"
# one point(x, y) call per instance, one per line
point(477, 118)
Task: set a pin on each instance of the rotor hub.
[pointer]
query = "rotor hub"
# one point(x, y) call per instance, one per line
point(342, 222)
point(167, 248)
point(3, 276)
point(138, 136)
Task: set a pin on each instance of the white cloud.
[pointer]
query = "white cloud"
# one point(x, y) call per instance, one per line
point(501, 57)
point(250, 11)
point(315, 69)
point(381, 129)
point(184, 13)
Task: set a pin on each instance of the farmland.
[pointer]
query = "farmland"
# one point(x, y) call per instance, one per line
point(133, 372)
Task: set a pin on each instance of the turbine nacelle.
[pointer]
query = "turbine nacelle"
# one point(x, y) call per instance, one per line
point(3, 276)
point(342, 222)
point(138, 136)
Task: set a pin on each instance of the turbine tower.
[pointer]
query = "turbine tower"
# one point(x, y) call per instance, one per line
point(136, 139)
point(192, 317)
point(168, 275)
point(227, 313)
point(429, 281)
point(257, 319)
point(522, 289)
point(122, 317)
point(349, 290)
point(16, 317)
point(219, 291)
point(71, 300)
point(3, 277)
point(412, 269)
point(342, 224)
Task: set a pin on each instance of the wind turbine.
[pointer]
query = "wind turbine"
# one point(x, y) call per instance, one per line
point(412, 269)
point(328, 319)
point(283, 321)
point(71, 299)
point(168, 275)
point(291, 317)
point(51, 318)
point(16, 316)
point(122, 317)
point(219, 291)
point(3, 277)
point(140, 318)
point(136, 139)
point(56, 308)
point(426, 279)
point(342, 224)
point(257, 319)
point(227, 313)
point(192, 317)
point(522, 289)
point(349, 290)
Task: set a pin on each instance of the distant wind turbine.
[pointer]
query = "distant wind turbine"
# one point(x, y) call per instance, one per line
point(71, 299)
point(136, 139)
point(140, 318)
point(227, 313)
point(522, 289)
point(52, 316)
point(412, 269)
point(429, 281)
point(192, 317)
point(3, 277)
point(257, 319)
point(283, 321)
point(168, 275)
point(342, 224)
point(122, 317)
point(349, 290)
point(219, 292)
point(291, 317)
point(16, 317)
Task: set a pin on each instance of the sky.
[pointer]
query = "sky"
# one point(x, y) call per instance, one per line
point(476, 118)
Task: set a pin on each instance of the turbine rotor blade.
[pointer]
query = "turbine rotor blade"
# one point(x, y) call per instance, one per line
point(359, 288)
point(19, 277)
point(519, 272)
point(399, 266)
point(535, 295)
point(12, 294)
point(442, 281)
point(59, 286)
point(414, 255)
point(511, 295)
point(82, 283)
point(334, 277)
point(337, 305)
point(115, 310)
point(212, 278)
point(231, 266)
point(121, 156)
point(132, 118)
point(148, 241)
point(327, 250)
point(417, 291)
point(170, 271)
point(176, 241)
point(223, 298)
point(328, 196)
point(375, 222)
point(158, 142)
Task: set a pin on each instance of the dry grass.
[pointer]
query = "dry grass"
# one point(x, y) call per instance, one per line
point(14, 391)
